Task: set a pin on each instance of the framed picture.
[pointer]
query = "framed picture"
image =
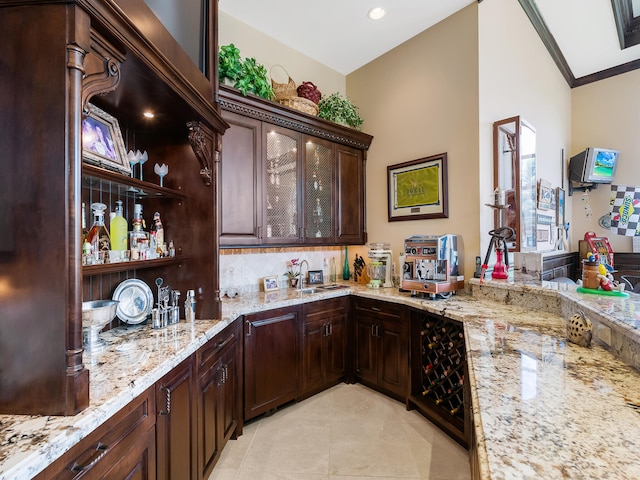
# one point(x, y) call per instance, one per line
point(560, 206)
point(545, 193)
point(315, 277)
point(418, 189)
point(102, 143)
point(270, 283)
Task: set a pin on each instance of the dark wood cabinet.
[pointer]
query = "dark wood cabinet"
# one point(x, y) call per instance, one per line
point(272, 360)
point(121, 448)
point(176, 423)
point(381, 346)
point(309, 176)
point(325, 341)
point(118, 56)
point(219, 408)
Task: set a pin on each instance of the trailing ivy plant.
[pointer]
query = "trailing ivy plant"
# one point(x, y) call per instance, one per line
point(339, 109)
point(246, 75)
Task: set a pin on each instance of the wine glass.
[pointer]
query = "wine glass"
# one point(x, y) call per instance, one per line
point(161, 171)
point(133, 159)
point(143, 158)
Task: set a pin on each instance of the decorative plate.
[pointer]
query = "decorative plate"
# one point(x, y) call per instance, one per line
point(136, 301)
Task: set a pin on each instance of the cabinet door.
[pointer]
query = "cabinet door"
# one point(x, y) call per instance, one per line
point(366, 358)
point(282, 201)
point(350, 196)
point(272, 360)
point(394, 356)
point(314, 355)
point(336, 348)
point(241, 181)
point(218, 410)
point(176, 433)
point(319, 176)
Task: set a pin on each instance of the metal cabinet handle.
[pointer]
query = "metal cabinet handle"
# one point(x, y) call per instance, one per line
point(98, 453)
point(376, 309)
point(248, 334)
point(373, 330)
point(167, 392)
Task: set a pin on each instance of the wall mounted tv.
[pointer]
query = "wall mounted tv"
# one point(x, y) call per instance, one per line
point(591, 167)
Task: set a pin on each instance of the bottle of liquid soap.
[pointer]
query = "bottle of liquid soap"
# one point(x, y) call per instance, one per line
point(119, 229)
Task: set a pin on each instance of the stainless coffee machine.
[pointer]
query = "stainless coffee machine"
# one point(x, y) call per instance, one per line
point(432, 264)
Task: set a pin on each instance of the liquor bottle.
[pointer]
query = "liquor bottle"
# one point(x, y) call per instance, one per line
point(138, 238)
point(332, 270)
point(118, 229)
point(98, 236)
point(85, 230)
point(157, 235)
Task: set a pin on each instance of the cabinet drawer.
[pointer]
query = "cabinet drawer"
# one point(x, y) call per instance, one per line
point(378, 309)
point(209, 353)
point(320, 310)
point(96, 454)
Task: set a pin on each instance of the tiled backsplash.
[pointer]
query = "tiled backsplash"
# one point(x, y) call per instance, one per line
point(242, 270)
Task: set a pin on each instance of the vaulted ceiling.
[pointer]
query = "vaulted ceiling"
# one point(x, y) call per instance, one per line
point(588, 39)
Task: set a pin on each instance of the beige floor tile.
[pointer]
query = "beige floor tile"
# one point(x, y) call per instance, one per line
point(348, 432)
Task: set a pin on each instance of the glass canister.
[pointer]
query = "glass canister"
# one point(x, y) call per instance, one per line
point(590, 275)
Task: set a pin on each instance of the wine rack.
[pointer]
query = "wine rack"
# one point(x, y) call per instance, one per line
point(439, 388)
point(443, 364)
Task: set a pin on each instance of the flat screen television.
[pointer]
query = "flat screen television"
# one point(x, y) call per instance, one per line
point(594, 165)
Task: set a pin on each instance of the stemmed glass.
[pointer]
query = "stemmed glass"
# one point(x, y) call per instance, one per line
point(143, 158)
point(161, 171)
point(133, 159)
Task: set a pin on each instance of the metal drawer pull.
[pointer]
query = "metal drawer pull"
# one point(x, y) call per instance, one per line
point(219, 345)
point(98, 453)
point(248, 334)
point(376, 309)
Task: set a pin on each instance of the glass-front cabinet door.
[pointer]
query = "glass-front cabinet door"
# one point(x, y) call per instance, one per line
point(282, 202)
point(319, 175)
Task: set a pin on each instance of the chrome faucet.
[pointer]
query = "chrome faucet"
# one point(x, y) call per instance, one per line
point(301, 282)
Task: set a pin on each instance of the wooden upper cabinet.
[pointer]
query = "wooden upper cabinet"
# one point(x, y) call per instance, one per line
point(308, 176)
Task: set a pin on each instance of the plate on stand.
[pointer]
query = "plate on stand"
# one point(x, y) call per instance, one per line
point(136, 301)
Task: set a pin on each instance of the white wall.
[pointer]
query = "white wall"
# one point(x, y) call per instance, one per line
point(518, 77)
point(270, 52)
point(606, 114)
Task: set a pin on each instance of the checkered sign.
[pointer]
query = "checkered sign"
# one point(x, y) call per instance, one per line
point(625, 210)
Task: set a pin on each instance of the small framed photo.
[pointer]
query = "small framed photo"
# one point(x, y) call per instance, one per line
point(102, 142)
point(315, 277)
point(270, 283)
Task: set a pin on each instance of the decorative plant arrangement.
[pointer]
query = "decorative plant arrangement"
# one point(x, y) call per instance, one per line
point(339, 109)
point(293, 271)
point(248, 76)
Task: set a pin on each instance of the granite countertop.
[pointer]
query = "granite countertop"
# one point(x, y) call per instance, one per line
point(543, 408)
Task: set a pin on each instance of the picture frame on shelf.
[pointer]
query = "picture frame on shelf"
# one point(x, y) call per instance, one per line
point(315, 277)
point(102, 142)
point(545, 192)
point(418, 189)
point(270, 283)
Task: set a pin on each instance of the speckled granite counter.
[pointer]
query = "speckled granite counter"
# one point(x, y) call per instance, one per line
point(542, 408)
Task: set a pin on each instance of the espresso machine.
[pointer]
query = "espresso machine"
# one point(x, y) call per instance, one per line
point(380, 267)
point(433, 265)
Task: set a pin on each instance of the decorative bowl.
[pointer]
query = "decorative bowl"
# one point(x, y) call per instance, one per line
point(95, 315)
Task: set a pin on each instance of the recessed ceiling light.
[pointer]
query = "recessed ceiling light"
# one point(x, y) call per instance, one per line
point(376, 13)
point(148, 114)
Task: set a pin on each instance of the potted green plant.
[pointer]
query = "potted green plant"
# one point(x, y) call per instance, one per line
point(229, 64)
point(254, 79)
point(339, 109)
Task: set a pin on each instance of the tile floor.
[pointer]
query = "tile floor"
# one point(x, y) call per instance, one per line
point(348, 432)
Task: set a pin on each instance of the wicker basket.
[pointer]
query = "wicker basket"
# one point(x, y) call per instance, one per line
point(301, 104)
point(283, 90)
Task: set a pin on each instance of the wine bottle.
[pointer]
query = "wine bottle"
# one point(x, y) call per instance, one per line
point(346, 273)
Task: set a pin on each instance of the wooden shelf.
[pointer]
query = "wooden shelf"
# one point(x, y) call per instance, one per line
point(106, 180)
point(91, 270)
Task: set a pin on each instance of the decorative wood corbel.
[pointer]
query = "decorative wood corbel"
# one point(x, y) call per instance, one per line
point(201, 140)
point(102, 70)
